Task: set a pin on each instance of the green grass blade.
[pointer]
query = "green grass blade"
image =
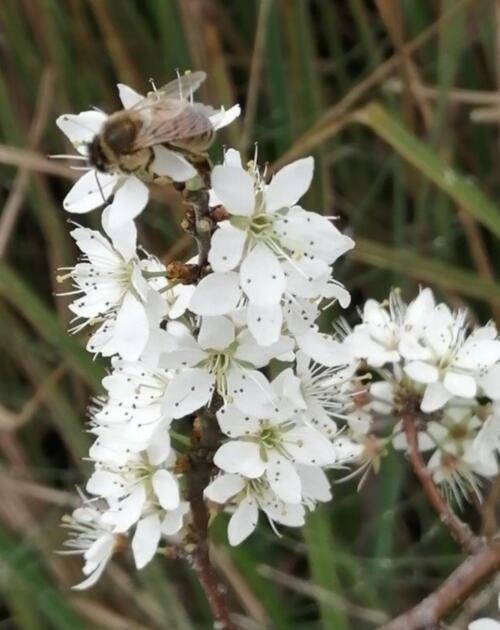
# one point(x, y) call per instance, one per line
point(425, 269)
point(14, 290)
point(461, 189)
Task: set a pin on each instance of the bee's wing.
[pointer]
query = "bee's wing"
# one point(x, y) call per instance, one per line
point(183, 87)
point(180, 89)
point(171, 121)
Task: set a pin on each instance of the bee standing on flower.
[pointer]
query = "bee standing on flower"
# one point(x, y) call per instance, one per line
point(167, 116)
point(155, 138)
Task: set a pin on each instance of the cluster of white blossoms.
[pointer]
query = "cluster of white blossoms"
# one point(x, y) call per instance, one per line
point(178, 351)
point(425, 352)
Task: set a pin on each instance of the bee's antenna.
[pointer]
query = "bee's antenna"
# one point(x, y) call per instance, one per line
point(181, 96)
point(153, 85)
point(99, 186)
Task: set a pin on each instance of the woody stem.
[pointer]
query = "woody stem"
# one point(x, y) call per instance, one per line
point(482, 563)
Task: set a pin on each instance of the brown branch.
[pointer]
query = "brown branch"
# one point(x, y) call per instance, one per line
point(483, 562)
point(205, 436)
point(204, 441)
point(454, 590)
point(459, 530)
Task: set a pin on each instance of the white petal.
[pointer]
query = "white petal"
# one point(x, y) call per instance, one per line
point(250, 391)
point(243, 521)
point(166, 489)
point(249, 352)
point(224, 487)
point(216, 333)
point(262, 277)
point(234, 423)
point(146, 539)
point(132, 328)
point(490, 382)
point(283, 478)
point(324, 349)
point(81, 128)
point(216, 294)
point(226, 247)
point(460, 384)
point(234, 188)
point(129, 201)
point(187, 392)
point(315, 484)
point(484, 624)
point(422, 372)
point(265, 323)
point(435, 396)
point(224, 117)
point(232, 158)
point(126, 512)
point(90, 191)
point(104, 483)
point(308, 446)
point(173, 520)
point(346, 450)
point(289, 184)
point(128, 96)
point(240, 457)
point(159, 446)
point(170, 164)
point(124, 238)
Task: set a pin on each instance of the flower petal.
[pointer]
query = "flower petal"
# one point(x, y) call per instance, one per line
point(132, 328)
point(262, 277)
point(308, 446)
point(226, 247)
point(166, 489)
point(81, 128)
point(250, 391)
point(216, 294)
point(90, 191)
point(240, 457)
point(435, 396)
point(243, 521)
point(128, 96)
point(324, 349)
point(171, 164)
point(460, 384)
point(146, 539)
point(234, 188)
point(283, 478)
point(216, 333)
point(234, 423)
point(187, 392)
point(265, 323)
point(129, 201)
point(224, 487)
point(422, 372)
point(289, 184)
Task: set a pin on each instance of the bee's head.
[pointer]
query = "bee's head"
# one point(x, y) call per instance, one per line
point(96, 155)
point(119, 135)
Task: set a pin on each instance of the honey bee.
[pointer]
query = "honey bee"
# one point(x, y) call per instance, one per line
point(167, 116)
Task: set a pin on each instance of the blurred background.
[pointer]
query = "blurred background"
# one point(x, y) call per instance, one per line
point(399, 102)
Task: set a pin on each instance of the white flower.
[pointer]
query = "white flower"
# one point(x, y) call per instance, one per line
point(319, 394)
point(250, 495)
point(485, 623)
point(388, 330)
point(132, 489)
point(487, 440)
point(270, 447)
point(92, 538)
point(457, 462)
point(131, 194)
point(221, 359)
point(268, 248)
point(131, 419)
point(113, 289)
point(447, 361)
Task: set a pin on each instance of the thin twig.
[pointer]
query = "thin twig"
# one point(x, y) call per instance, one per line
point(14, 201)
point(459, 530)
point(454, 590)
point(204, 441)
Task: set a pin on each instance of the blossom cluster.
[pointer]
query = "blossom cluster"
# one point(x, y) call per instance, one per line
point(427, 353)
point(243, 344)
